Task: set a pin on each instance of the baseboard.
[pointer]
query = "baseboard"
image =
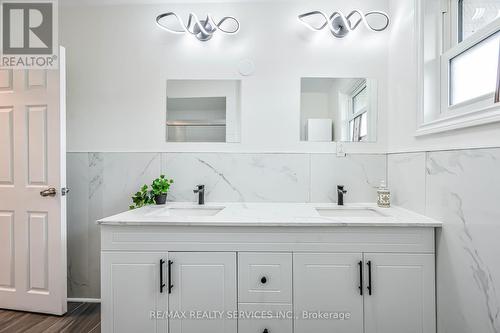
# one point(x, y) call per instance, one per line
point(84, 300)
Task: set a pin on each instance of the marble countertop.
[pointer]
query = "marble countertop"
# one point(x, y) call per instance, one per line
point(270, 214)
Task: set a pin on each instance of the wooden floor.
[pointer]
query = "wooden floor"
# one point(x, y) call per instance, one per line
point(80, 318)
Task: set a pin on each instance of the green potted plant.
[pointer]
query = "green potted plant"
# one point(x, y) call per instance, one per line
point(141, 198)
point(160, 187)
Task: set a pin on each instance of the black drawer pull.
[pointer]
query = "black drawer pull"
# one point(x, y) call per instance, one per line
point(170, 285)
point(263, 280)
point(369, 287)
point(360, 266)
point(162, 285)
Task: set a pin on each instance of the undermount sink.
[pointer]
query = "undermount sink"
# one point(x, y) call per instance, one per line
point(188, 211)
point(199, 211)
point(348, 212)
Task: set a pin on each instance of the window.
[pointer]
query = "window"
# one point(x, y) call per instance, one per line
point(473, 73)
point(359, 100)
point(462, 89)
point(474, 15)
point(469, 69)
point(358, 119)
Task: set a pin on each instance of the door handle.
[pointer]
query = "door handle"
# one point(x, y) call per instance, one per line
point(170, 285)
point(369, 287)
point(360, 266)
point(162, 285)
point(50, 192)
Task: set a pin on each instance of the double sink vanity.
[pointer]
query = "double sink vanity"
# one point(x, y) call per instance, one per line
point(268, 268)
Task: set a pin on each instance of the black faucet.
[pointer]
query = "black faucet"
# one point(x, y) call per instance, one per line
point(340, 195)
point(200, 189)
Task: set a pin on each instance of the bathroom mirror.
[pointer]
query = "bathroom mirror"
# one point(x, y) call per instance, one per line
point(203, 111)
point(338, 109)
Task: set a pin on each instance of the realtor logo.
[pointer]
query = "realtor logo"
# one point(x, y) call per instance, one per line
point(28, 34)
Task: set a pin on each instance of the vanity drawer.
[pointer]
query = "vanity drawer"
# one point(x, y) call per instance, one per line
point(265, 277)
point(265, 318)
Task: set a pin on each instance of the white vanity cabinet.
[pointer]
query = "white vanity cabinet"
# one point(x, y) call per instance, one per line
point(130, 292)
point(381, 292)
point(168, 292)
point(202, 283)
point(378, 279)
point(327, 283)
point(402, 293)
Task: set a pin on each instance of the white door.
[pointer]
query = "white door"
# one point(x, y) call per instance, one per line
point(402, 296)
point(328, 284)
point(205, 282)
point(134, 292)
point(32, 159)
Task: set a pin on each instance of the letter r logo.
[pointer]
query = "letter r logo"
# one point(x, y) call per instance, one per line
point(27, 28)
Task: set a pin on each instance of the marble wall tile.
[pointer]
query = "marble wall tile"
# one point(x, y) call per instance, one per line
point(77, 225)
point(406, 180)
point(463, 191)
point(360, 174)
point(123, 175)
point(101, 185)
point(239, 177)
point(95, 211)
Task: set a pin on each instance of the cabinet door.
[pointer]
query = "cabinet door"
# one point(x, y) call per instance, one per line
point(275, 318)
point(204, 282)
point(327, 284)
point(130, 285)
point(402, 296)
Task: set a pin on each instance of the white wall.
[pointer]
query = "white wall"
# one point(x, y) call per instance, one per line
point(119, 61)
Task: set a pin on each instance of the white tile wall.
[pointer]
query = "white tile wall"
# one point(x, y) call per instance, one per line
point(101, 184)
point(360, 174)
point(239, 177)
point(462, 190)
point(406, 173)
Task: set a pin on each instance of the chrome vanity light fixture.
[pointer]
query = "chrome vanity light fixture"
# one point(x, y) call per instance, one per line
point(340, 25)
point(203, 29)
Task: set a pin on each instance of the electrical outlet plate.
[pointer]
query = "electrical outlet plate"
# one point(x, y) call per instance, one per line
point(340, 150)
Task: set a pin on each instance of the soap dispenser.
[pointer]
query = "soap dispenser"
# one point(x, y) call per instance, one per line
point(383, 196)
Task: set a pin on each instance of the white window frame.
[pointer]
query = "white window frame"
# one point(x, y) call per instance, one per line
point(478, 103)
point(351, 116)
point(477, 111)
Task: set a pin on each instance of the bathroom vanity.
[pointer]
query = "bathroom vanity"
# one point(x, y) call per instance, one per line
point(279, 267)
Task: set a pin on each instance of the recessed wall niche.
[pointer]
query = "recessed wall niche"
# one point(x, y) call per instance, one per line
point(203, 110)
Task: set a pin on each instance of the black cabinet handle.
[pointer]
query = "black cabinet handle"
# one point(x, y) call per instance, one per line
point(162, 285)
point(263, 280)
point(170, 285)
point(369, 287)
point(360, 266)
